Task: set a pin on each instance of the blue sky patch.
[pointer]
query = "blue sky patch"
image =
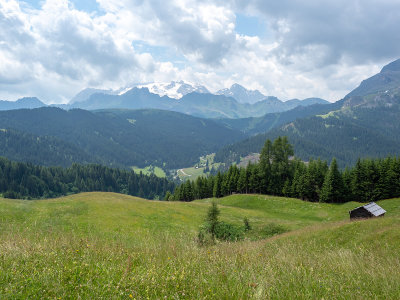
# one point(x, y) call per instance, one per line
point(251, 26)
point(86, 5)
point(160, 53)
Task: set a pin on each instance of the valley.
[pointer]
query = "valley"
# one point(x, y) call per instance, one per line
point(363, 124)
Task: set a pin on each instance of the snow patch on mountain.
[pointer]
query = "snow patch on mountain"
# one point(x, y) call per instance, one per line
point(174, 89)
point(242, 94)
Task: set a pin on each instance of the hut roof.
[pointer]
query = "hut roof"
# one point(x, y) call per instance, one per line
point(373, 208)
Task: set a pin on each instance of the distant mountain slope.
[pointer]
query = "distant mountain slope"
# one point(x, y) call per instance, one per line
point(366, 123)
point(273, 120)
point(387, 80)
point(27, 102)
point(197, 104)
point(86, 93)
point(115, 138)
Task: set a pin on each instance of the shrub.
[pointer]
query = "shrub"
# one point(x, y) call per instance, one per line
point(228, 232)
point(11, 195)
point(272, 229)
point(214, 229)
point(204, 237)
point(247, 225)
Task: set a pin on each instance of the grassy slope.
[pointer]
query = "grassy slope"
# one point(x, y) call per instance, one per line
point(103, 245)
point(150, 170)
point(192, 173)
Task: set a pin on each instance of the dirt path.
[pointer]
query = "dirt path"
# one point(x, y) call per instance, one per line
point(183, 172)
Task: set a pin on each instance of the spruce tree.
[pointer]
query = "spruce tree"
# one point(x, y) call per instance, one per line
point(242, 181)
point(168, 196)
point(332, 189)
point(280, 166)
point(217, 186)
point(212, 218)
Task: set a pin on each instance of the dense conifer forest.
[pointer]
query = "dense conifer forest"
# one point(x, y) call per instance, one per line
point(279, 173)
point(114, 138)
point(27, 181)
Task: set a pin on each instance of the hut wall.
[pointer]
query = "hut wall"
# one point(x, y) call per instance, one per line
point(360, 213)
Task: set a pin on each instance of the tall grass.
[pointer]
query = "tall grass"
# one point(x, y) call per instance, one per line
point(107, 246)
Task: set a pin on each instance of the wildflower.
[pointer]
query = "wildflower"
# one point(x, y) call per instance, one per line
point(130, 296)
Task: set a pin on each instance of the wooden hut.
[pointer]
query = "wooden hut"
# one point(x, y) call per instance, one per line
point(369, 210)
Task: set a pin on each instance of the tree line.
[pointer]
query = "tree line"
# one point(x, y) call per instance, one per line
point(20, 180)
point(279, 173)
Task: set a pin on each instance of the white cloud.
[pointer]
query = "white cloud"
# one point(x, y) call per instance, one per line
point(61, 43)
point(319, 49)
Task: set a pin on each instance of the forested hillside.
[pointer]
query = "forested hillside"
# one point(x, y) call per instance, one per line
point(114, 138)
point(43, 150)
point(273, 120)
point(26, 181)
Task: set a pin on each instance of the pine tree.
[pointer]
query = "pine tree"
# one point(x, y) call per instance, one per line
point(254, 181)
point(357, 174)
point(188, 191)
point(287, 189)
point(370, 180)
point(168, 196)
point(280, 166)
point(217, 186)
point(212, 218)
point(332, 189)
point(242, 181)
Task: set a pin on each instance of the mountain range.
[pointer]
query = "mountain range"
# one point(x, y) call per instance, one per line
point(121, 130)
point(365, 123)
point(179, 96)
point(203, 105)
point(176, 90)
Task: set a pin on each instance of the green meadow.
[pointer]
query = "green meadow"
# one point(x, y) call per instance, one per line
point(150, 170)
point(112, 246)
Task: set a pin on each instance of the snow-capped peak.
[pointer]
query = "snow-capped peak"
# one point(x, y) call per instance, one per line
point(174, 89)
point(242, 94)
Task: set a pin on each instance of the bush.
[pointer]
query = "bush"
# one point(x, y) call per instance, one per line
point(272, 229)
point(11, 195)
point(247, 225)
point(213, 229)
point(228, 232)
point(204, 237)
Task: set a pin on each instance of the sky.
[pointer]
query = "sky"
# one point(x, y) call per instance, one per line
point(52, 49)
